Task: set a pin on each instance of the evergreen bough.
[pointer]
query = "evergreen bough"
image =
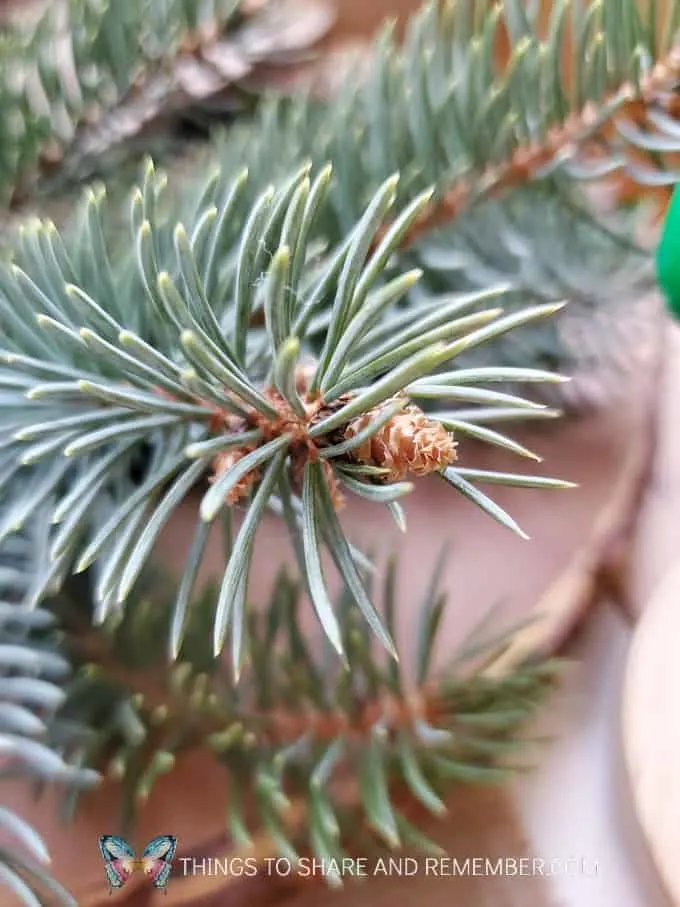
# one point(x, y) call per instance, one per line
point(88, 83)
point(325, 324)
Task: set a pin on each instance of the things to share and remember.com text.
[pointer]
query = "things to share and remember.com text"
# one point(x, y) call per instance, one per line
point(362, 867)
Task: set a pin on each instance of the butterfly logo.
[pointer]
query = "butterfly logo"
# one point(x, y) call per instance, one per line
point(120, 860)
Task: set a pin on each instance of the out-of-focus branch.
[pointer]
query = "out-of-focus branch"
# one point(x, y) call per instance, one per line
point(578, 131)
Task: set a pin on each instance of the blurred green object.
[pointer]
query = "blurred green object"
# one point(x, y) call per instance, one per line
point(668, 256)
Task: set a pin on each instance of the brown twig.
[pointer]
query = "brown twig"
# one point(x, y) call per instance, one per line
point(278, 726)
point(578, 129)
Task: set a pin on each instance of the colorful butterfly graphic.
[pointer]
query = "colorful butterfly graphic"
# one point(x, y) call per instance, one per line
point(120, 860)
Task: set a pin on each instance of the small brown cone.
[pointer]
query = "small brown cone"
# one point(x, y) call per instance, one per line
point(409, 443)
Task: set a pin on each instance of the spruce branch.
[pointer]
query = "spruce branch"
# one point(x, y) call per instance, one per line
point(309, 751)
point(34, 740)
point(520, 140)
point(120, 409)
point(89, 84)
point(587, 143)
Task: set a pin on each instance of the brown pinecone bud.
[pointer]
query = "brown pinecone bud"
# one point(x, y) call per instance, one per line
point(224, 461)
point(408, 443)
